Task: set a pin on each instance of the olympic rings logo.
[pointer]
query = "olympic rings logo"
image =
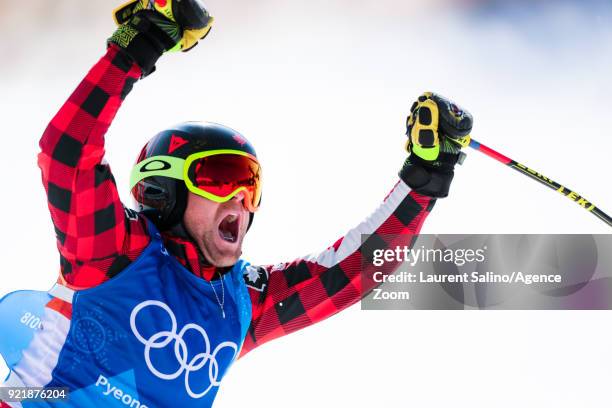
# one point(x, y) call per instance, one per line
point(164, 338)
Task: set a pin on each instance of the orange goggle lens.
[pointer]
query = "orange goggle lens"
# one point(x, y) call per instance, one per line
point(222, 176)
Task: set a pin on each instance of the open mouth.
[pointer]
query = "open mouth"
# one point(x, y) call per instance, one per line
point(229, 227)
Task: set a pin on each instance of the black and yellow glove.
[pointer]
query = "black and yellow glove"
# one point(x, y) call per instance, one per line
point(148, 28)
point(437, 129)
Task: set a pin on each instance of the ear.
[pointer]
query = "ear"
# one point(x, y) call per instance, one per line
point(177, 212)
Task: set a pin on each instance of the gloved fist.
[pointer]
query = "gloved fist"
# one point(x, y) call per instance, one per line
point(148, 28)
point(437, 129)
point(193, 21)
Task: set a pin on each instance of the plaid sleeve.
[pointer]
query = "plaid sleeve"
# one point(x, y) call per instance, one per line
point(96, 236)
point(288, 297)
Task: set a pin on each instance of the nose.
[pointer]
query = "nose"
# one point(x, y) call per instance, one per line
point(239, 197)
point(243, 198)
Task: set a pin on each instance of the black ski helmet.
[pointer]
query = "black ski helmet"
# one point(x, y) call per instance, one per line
point(164, 199)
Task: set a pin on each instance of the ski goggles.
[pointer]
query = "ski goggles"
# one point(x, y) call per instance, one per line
point(218, 175)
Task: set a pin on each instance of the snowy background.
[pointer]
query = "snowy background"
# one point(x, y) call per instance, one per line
point(322, 89)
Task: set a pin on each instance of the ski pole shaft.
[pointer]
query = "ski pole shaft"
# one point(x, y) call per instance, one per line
point(569, 193)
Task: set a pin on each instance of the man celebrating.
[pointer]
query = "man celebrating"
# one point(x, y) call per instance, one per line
point(153, 306)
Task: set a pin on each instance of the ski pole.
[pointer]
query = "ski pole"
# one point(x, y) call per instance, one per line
point(572, 195)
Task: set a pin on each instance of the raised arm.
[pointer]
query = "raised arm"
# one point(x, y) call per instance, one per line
point(97, 237)
point(288, 297)
point(291, 296)
point(89, 219)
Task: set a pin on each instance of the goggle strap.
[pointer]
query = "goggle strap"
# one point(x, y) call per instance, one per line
point(166, 166)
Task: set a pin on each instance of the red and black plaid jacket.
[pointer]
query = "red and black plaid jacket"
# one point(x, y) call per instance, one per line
point(98, 237)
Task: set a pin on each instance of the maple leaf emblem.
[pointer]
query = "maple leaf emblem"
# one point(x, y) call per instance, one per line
point(252, 274)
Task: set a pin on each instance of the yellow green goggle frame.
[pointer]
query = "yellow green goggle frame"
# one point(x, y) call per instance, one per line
point(177, 168)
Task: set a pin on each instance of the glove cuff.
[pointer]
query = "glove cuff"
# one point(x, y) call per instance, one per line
point(426, 179)
point(444, 163)
point(141, 51)
point(143, 41)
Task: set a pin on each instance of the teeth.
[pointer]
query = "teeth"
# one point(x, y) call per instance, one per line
point(227, 236)
point(228, 227)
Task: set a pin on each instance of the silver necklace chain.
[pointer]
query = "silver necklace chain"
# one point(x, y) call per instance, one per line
point(222, 301)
